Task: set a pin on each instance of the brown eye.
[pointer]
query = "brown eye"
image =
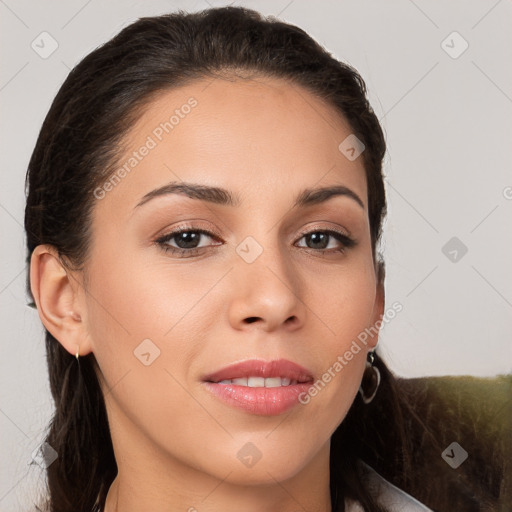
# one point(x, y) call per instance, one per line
point(186, 242)
point(187, 239)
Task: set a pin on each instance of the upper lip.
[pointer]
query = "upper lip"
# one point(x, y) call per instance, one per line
point(259, 368)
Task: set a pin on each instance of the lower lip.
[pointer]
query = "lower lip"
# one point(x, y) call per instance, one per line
point(261, 401)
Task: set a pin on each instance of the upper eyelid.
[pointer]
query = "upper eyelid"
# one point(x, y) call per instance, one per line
point(189, 227)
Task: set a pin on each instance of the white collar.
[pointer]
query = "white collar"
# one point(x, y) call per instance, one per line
point(387, 495)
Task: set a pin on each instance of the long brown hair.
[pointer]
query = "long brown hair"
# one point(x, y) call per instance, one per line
point(77, 149)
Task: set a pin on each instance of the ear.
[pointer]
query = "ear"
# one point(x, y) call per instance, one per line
point(57, 294)
point(378, 307)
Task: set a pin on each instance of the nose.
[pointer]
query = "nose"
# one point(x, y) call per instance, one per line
point(266, 295)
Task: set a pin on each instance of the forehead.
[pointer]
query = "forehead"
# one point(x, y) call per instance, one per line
point(258, 137)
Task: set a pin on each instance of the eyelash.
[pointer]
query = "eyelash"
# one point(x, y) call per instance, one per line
point(345, 241)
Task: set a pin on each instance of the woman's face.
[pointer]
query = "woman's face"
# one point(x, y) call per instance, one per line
point(164, 313)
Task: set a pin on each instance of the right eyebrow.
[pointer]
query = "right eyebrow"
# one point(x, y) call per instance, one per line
point(194, 191)
point(309, 196)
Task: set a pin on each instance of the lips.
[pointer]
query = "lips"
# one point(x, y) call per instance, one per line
point(254, 369)
point(260, 387)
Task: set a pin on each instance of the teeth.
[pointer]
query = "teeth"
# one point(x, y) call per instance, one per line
point(273, 382)
point(256, 382)
point(260, 382)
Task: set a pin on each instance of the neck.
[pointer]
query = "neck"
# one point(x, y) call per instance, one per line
point(162, 484)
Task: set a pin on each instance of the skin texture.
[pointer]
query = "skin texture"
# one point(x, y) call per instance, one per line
point(175, 443)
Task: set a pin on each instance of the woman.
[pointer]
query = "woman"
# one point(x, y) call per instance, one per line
point(205, 204)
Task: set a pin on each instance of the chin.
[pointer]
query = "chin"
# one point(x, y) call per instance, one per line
point(261, 466)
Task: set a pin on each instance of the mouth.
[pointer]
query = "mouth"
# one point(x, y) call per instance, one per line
point(266, 388)
point(261, 382)
point(256, 373)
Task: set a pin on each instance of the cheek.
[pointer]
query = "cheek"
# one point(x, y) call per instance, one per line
point(137, 309)
point(141, 295)
point(345, 306)
point(134, 302)
point(344, 303)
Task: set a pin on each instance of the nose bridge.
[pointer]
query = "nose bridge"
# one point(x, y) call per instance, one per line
point(265, 285)
point(262, 256)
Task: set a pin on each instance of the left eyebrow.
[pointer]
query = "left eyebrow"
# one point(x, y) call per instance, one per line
point(309, 196)
point(217, 195)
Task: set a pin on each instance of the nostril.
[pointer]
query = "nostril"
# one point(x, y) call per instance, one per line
point(251, 319)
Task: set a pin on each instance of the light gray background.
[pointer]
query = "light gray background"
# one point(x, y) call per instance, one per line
point(448, 127)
